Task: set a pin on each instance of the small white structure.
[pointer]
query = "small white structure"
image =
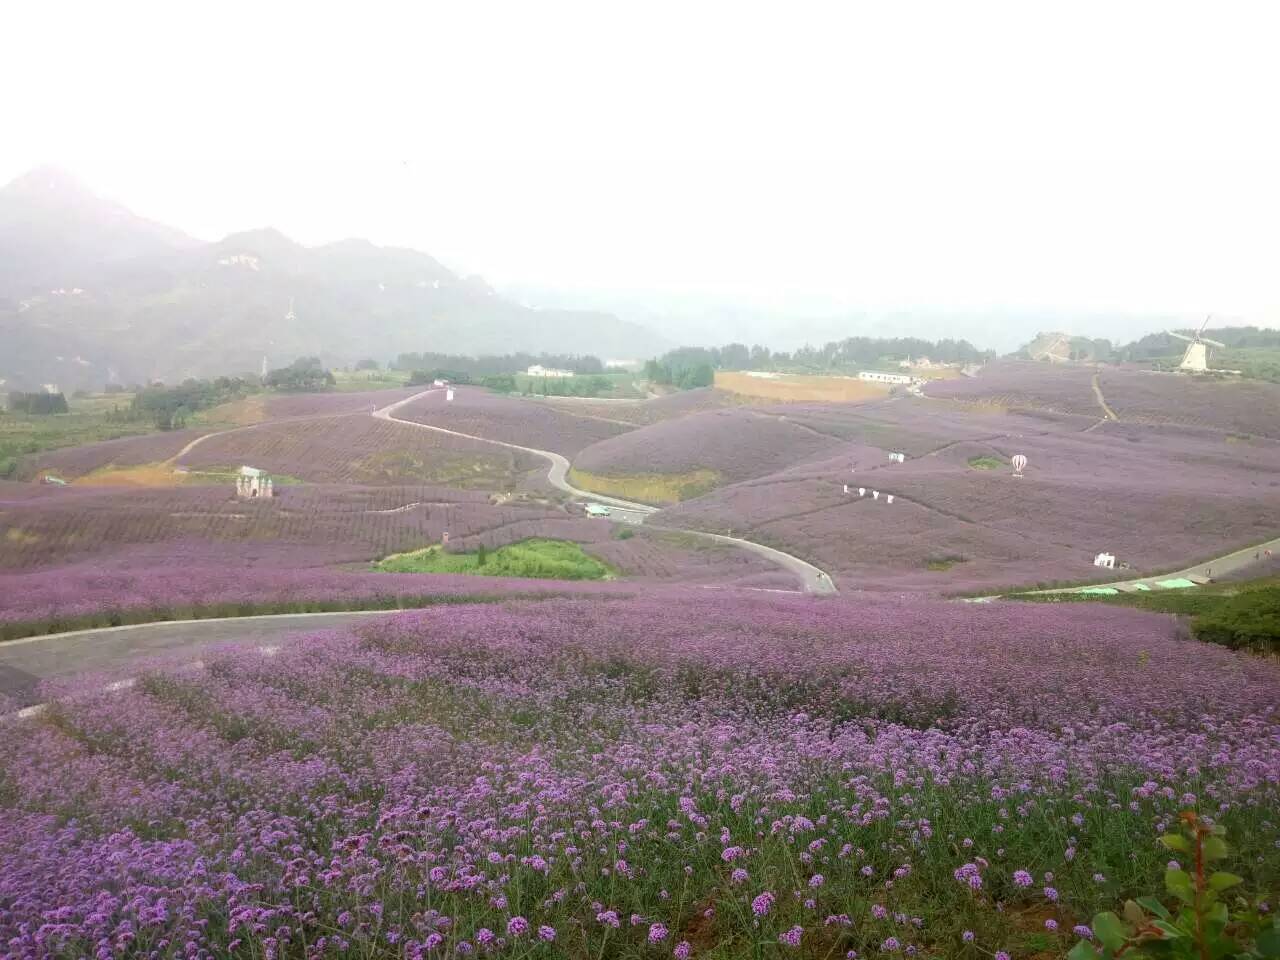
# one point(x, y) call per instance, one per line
point(862, 491)
point(875, 494)
point(444, 538)
point(895, 457)
point(888, 497)
point(252, 482)
point(846, 488)
point(538, 370)
point(877, 376)
point(597, 510)
point(1019, 464)
point(448, 395)
point(439, 383)
point(1107, 560)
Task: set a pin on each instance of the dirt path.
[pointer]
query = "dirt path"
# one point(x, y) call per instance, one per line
point(1107, 412)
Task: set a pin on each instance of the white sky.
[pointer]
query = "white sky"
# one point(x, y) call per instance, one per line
point(1104, 155)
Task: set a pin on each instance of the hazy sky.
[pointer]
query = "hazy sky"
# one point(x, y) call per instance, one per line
point(1074, 154)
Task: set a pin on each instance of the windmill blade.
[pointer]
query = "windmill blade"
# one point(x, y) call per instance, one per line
point(1213, 343)
point(1181, 336)
point(1205, 324)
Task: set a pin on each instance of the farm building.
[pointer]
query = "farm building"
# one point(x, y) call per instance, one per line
point(876, 376)
point(1107, 560)
point(252, 482)
point(538, 370)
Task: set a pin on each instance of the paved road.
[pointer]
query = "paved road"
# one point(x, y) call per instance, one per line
point(812, 579)
point(1211, 569)
point(25, 662)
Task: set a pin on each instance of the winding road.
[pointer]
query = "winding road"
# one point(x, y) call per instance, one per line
point(812, 579)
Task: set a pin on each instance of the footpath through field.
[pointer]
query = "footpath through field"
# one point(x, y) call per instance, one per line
point(813, 579)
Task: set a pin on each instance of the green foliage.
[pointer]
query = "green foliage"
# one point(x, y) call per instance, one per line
point(687, 367)
point(499, 383)
point(464, 369)
point(168, 408)
point(536, 559)
point(38, 403)
point(421, 377)
point(1199, 922)
point(986, 463)
point(304, 375)
point(1237, 615)
point(625, 533)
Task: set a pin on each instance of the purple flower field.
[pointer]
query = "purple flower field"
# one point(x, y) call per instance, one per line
point(356, 448)
point(598, 778)
point(1158, 497)
point(737, 443)
point(72, 462)
point(325, 404)
point(1013, 384)
point(529, 423)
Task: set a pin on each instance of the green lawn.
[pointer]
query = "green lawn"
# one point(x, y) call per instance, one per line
point(985, 463)
point(535, 559)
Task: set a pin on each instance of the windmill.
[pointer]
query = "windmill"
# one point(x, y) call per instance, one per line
point(1196, 359)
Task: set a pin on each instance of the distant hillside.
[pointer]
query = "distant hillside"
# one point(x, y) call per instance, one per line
point(1065, 348)
point(90, 292)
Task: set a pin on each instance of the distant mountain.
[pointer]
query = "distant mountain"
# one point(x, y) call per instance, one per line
point(54, 233)
point(89, 292)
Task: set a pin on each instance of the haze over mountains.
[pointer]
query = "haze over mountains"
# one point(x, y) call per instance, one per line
point(91, 293)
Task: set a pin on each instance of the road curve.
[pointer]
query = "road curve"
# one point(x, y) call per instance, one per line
point(1213, 569)
point(27, 661)
point(813, 579)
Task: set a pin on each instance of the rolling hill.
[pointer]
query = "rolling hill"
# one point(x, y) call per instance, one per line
point(91, 293)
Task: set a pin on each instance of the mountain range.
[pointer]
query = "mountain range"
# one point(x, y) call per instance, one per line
point(91, 293)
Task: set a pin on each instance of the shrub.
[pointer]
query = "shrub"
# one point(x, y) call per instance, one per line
point(1201, 924)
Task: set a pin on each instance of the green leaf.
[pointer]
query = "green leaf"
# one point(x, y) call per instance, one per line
point(1168, 929)
point(1083, 950)
point(1178, 883)
point(1109, 930)
point(1215, 848)
point(1154, 906)
point(1176, 842)
point(1224, 881)
point(1269, 942)
point(1133, 914)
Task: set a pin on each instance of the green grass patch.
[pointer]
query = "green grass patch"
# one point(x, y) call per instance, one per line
point(648, 487)
point(1244, 615)
point(940, 563)
point(986, 463)
point(536, 559)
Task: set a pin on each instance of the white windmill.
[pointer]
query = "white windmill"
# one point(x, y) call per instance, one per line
point(1196, 357)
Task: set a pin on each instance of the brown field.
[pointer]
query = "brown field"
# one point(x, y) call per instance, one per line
point(798, 389)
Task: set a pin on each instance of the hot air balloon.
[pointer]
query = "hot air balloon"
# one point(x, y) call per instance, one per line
point(1019, 464)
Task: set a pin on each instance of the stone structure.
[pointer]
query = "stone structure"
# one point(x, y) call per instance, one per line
point(252, 482)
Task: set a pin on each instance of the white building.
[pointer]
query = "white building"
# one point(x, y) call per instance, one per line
point(252, 482)
point(538, 370)
point(876, 376)
point(1107, 560)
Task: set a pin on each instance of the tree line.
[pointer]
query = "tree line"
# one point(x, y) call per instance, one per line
point(688, 367)
point(466, 369)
